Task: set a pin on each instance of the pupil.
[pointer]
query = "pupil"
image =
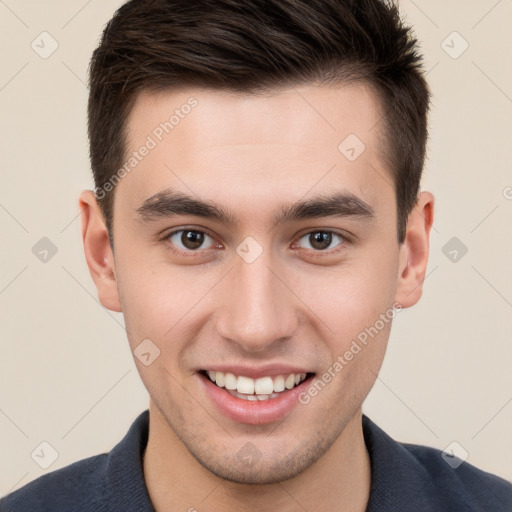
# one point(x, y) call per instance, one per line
point(321, 240)
point(192, 239)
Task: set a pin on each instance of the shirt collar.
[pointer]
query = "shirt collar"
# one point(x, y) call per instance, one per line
point(124, 472)
point(399, 482)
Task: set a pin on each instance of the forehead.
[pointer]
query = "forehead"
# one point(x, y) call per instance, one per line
point(302, 115)
point(210, 142)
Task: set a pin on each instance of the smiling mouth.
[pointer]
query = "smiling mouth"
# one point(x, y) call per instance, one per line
point(261, 389)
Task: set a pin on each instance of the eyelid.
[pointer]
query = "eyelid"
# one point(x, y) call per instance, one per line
point(345, 239)
point(167, 236)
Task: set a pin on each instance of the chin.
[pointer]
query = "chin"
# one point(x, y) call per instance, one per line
point(250, 466)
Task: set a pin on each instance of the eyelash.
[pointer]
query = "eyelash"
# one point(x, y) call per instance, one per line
point(344, 240)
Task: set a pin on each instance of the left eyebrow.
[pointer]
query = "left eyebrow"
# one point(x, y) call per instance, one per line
point(341, 204)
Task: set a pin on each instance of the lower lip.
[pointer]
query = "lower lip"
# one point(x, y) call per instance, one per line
point(253, 412)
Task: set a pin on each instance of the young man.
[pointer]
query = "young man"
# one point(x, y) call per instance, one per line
point(256, 215)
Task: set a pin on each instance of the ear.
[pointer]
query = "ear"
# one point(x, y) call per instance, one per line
point(98, 253)
point(414, 251)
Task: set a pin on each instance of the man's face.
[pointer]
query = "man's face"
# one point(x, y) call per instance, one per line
point(265, 294)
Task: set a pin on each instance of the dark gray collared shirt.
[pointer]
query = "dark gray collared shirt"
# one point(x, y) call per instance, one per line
point(405, 478)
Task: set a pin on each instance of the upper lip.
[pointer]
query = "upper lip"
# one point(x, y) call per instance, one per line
point(255, 372)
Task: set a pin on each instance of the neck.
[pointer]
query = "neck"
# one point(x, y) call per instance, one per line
point(339, 480)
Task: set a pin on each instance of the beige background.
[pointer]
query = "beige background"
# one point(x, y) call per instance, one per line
point(66, 374)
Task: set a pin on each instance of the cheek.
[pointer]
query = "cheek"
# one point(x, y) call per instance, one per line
point(167, 306)
point(355, 306)
point(155, 309)
point(351, 298)
point(153, 301)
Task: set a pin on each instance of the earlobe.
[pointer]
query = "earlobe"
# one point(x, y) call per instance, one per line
point(414, 251)
point(98, 252)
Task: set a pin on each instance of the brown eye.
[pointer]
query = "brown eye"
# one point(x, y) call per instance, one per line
point(321, 240)
point(188, 239)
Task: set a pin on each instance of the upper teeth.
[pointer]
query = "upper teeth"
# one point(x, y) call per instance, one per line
point(261, 386)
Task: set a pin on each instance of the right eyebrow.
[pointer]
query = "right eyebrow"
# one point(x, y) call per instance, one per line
point(170, 202)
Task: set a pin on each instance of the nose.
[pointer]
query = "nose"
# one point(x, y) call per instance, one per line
point(258, 311)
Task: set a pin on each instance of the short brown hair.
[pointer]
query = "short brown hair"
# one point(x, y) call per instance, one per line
point(254, 46)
